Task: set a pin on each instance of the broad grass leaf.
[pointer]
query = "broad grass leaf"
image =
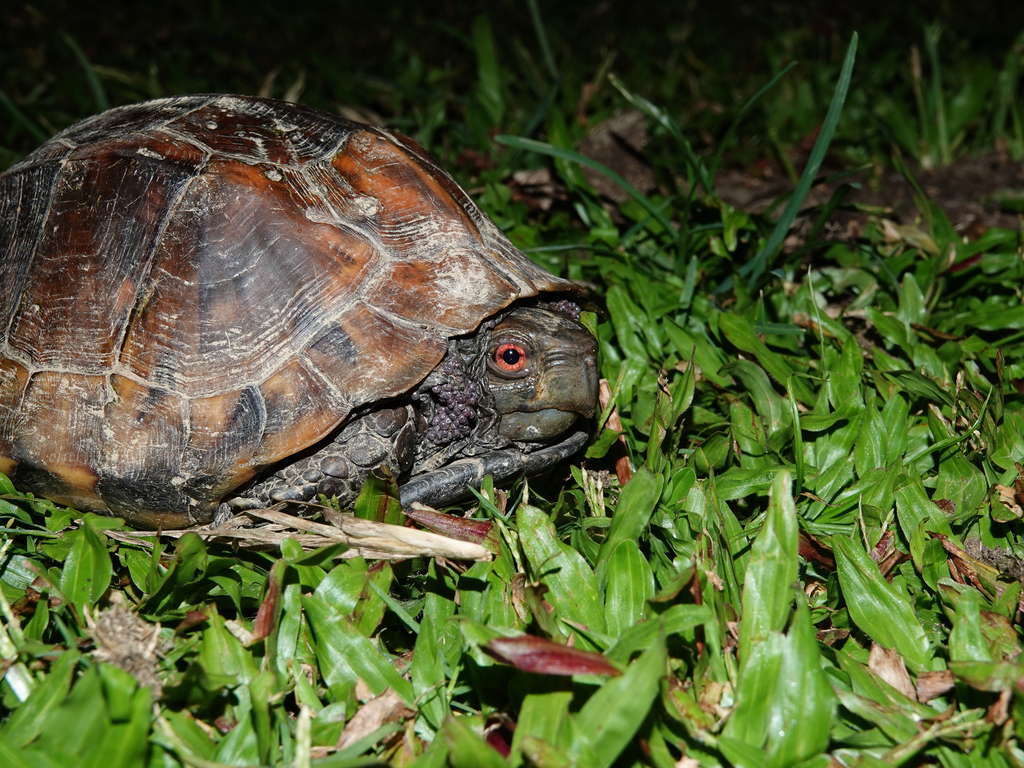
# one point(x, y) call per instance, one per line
point(740, 754)
point(801, 718)
point(288, 630)
point(239, 746)
point(987, 675)
point(124, 744)
point(896, 427)
point(439, 605)
point(914, 509)
point(869, 450)
point(755, 690)
point(876, 607)
point(632, 513)
point(1009, 447)
point(629, 585)
point(185, 728)
point(706, 354)
point(630, 322)
point(771, 570)
point(844, 377)
point(997, 317)
point(748, 433)
point(87, 570)
point(866, 683)
point(834, 476)
point(919, 385)
point(675, 620)
point(911, 301)
point(346, 655)
point(32, 757)
point(119, 689)
point(966, 640)
point(819, 422)
point(891, 329)
point(740, 332)
point(898, 726)
point(609, 720)
point(26, 722)
point(784, 702)
point(542, 713)
point(427, 672)
point(573, 586)
point(346, 588)
point(772, 407)
point(488, 85)
point(77, 723)
point(222, 654)
point(605, 440)
point(960, 482)
point(738, 483)
point(261, 689)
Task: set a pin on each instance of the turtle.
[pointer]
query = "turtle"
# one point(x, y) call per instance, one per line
point(211, 303)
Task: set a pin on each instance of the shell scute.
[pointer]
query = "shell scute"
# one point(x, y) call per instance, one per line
point(75, 301)
point(368, 355)
point(240, 281)
point(302, 404)
point(259, 131)
point(14, 380)
point(58, 456)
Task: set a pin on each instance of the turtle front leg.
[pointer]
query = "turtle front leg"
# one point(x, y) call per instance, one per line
point(338, 469)
point(451, 482)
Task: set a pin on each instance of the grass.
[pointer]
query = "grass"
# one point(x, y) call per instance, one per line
point(816, 560)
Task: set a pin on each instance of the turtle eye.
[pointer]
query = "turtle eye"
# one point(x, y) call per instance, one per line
point(510, 357)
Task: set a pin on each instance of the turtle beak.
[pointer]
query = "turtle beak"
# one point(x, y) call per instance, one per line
point(570, 381)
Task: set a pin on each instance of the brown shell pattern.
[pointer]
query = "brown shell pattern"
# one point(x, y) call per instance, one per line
point(196, 288)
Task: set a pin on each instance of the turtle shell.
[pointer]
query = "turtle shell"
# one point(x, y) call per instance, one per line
point(196, 288)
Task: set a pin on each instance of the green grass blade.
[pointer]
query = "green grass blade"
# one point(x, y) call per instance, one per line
point(716, 159)
point(670, 125)
point(931, 42)
point(20, 117)
point(754, 268)
point(98, 94)
point(542, 39)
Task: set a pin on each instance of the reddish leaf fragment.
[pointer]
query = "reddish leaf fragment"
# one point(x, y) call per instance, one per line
point(935, 333)
point(463, 529)
point(544, 657)
point(265, 616)
point(498, 733)
point(623, 469)
point(191, 619)
point(967, 263)
point(813, 551)
point(883, 547)
point(27, 604)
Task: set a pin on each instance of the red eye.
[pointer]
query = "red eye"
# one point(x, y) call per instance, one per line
point(510, 357)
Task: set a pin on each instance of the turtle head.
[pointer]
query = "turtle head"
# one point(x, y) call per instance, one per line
point(542, 371)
